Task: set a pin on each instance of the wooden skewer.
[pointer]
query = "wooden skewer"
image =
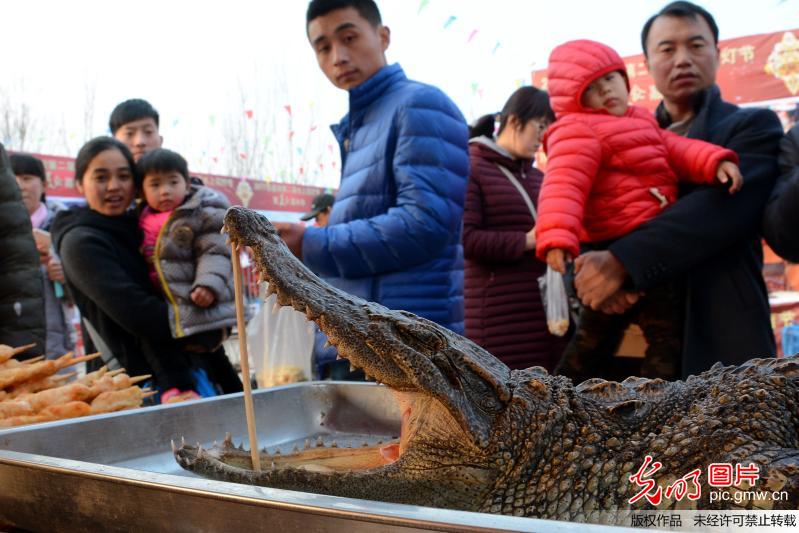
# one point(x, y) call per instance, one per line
point(64, 377)
point(245, 363)
point(139, 379)
point(33, 360)
point(115, 372)
point(76, 360)
point(146, 389)
point(20, 349)
point(148, 394)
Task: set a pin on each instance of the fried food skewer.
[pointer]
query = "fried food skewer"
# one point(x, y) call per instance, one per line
point(89, 378)
point(7, 352)
point(23, 420)
point(11, 408)
point(59, 395)
point(41, 369)
point(110, 401)
point(66, 410)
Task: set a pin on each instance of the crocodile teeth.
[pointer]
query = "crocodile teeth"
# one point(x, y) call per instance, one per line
point(199, 450)
point(328, 345)
point(182, 442)
point(352, 368)
point(174, 448)
point(319, 442)
point(334, 444)
point(228, 439)
point(216, 444)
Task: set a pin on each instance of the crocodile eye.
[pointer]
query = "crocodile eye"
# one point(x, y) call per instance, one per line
point(483, 396)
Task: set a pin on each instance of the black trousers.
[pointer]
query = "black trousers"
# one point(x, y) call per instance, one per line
point(659, 314)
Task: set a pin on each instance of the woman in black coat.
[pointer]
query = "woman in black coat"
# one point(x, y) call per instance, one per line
point(107, 277)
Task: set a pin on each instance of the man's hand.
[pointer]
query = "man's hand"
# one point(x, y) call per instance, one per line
point(556, 259)
point(202, 297)
point(728, 172)
point(619, 302)
point(598, 276)
point(55, 271)
point(292, 235)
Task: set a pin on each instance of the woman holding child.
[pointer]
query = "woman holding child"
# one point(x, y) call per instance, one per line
point(99, 245)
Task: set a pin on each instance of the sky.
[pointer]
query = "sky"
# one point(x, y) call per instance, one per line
point(237, 84)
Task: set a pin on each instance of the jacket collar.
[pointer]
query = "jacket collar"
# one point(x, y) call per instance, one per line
point(496, 154)
point(373, 88)
point(703, 102)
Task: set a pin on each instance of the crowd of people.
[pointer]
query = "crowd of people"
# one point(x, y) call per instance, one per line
point(653, 219)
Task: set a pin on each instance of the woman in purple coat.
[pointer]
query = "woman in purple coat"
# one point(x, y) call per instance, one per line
point(504, 313)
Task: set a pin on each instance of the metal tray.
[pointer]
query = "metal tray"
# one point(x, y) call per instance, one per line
point(116, 472)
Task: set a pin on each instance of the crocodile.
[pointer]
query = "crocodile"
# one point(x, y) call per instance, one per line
point(477, 436)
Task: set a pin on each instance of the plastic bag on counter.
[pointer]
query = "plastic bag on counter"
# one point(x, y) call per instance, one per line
point(280, 343)
point(556, 301)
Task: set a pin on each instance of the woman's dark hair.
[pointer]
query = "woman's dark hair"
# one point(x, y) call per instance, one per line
point(26, 164)
point(96, 146)
point(366, 8)
point(129, 111)
point(526, 103)
point(683, 10)
point(161, 160)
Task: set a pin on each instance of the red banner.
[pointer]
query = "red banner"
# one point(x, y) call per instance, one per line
point(751, 69)
point(266, 196)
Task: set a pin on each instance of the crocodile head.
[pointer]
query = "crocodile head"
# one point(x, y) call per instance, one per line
point(476, 436)
point(451, 395)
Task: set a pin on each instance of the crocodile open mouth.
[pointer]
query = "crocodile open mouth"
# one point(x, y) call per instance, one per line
point(450, 395)
point(320, 455)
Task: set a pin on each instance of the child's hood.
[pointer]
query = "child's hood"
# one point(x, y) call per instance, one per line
point(572, 67)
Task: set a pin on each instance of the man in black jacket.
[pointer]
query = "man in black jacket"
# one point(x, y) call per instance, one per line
point(781, 219)
point(708, 241)
point(21, 298)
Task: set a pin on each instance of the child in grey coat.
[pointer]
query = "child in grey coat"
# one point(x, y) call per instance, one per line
point(189, 260)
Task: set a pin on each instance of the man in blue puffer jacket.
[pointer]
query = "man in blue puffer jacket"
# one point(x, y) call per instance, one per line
point(394, 233)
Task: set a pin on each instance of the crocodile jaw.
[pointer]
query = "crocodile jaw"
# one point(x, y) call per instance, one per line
point(397, 348)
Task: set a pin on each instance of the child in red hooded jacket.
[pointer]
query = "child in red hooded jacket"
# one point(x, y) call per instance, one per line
point(611, 168)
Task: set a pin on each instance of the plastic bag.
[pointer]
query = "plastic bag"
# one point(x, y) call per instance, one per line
point(556, 302)
point(280, 344)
